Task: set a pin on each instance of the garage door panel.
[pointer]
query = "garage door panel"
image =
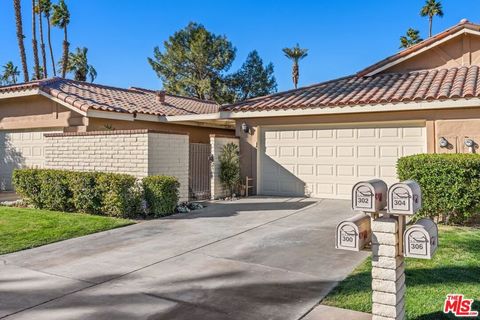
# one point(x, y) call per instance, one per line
point(20, 149)
point(327, 162)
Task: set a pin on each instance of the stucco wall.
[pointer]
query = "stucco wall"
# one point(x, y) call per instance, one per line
point(136, 152)
point(198, 134)
point(37, 112)
point(217, 143)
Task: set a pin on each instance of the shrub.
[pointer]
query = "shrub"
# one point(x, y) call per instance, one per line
point(450, 184)
point(27, 184)
point(109, 194)
point(121, 196)
point(161, 194)
point(230, 167)
point(86, 197)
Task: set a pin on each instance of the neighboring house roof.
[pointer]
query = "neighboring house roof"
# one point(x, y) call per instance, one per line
point(86, 96)
point(464, 26)
point(426, 85)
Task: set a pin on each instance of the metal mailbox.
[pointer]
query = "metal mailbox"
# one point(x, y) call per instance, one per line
point(354, 233)
point(421, 239)
point(369, 196)
point(404, 198)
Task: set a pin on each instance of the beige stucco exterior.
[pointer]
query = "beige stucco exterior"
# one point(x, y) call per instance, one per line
point(453, 124)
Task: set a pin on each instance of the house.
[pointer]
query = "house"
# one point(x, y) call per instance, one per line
point(321, 139)
point(65, 124)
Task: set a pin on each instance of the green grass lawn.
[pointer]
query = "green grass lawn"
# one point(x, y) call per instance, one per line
point(27, 228)
point(454, 269)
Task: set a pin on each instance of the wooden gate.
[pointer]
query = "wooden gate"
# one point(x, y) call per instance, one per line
point(199, 171)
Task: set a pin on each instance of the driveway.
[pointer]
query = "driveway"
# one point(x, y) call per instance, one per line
point(256, 258)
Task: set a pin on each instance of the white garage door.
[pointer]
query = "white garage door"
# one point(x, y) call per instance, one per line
point(325, 162)
point(20, 149)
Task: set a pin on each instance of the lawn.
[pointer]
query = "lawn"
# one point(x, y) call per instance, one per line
point(27, 228)
point(454, 269)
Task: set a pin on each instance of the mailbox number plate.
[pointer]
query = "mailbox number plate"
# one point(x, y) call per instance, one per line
point(364, 198)
point(401, 199)
point(348, 237)
point(417, 244)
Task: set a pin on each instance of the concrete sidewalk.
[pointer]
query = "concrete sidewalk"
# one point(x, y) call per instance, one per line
point(257, 258)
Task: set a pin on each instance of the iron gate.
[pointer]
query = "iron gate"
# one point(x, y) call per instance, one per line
point(199, 171)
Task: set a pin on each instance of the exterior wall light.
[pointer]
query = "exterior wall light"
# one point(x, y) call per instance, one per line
point(245, 128)
point(443, 142)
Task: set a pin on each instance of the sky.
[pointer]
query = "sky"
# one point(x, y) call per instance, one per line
point(342, 37)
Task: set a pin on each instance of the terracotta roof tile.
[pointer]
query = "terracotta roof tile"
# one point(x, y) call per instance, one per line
point(89, 96)
point(461, 82)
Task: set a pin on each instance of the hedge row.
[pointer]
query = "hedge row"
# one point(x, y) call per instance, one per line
point(450, 184)
point(110, 194)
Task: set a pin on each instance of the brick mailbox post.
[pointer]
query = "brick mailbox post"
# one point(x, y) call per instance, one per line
point(390, 242)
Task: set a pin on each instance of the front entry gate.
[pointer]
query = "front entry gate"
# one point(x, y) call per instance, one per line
point(199, 171)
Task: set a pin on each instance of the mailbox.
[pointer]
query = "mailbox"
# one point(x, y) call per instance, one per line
point(369, 196)
point(421, 239)
point(354, 233)
point(404, 198)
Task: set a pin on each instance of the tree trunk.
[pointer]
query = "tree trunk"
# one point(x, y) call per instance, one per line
point(430, 20)
point(36, 63)
point(50, 46)
point(295, 74)
point(65, 53)
point(42, 43)
point(20, 37)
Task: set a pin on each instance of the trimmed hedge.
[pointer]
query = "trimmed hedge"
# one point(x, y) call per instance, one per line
point(450, 184)
point(161, 194)
point(110, 194)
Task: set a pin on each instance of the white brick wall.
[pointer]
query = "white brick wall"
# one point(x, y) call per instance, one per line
point(136, 152)
point(217, 143)
point(168, 155)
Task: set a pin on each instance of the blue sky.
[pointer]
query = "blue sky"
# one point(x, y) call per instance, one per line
point(342, 36)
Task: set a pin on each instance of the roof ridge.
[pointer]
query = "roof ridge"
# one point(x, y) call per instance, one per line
point(174, 95)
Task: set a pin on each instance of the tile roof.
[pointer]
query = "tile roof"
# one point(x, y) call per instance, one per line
point(425, 85)
point(89, 96)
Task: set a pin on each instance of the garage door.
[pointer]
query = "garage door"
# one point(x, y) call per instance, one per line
point(325, 162)
point(20, 149)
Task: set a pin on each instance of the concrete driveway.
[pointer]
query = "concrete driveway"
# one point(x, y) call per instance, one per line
point(257, 258)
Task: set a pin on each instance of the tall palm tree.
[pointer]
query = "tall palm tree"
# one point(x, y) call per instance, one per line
point(61, 19)
point(10, 73)
point(78, 65)
point(36, 63)
point(38, 10)
point(295, 54)
point(46, 8)
point(18, 21)
point(430, 9)
point(410, 38)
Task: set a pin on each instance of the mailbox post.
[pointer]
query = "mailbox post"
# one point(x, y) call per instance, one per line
point(390, 241)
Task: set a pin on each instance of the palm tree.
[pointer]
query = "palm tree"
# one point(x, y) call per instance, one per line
point(61, 19)
point(295, 54)
point(18, 20)
point(10, 73)
point(36, 64)
point(431, 8)
point(46, 8)
point(38, 10)
point(78, 65)
point(410, 38)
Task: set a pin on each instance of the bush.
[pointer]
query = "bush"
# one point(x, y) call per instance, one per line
point(230, 167)
point(161, 194)
point(450, 184)
point(109, 194)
